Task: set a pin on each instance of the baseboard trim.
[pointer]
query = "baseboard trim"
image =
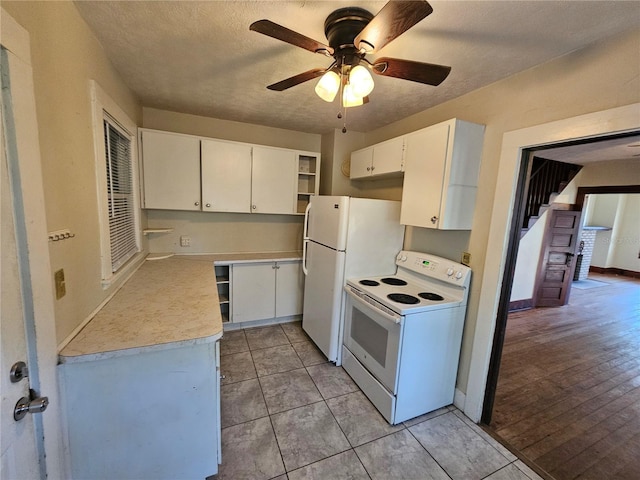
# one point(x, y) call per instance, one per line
point(614, 271)
point(525, 304)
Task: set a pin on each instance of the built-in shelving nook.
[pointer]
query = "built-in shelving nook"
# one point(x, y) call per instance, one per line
point(308, 178)
point(222, 283)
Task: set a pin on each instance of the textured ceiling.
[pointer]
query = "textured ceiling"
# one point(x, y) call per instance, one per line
point(201, 58)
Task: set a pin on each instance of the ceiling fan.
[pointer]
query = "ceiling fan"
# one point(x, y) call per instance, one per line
point(352, 33)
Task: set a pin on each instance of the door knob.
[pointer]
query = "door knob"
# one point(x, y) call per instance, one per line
point(24, 406)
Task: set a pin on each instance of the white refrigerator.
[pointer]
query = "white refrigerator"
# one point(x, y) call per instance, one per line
point(343, 237)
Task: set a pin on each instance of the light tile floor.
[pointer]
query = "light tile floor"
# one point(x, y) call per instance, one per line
point(288, 414)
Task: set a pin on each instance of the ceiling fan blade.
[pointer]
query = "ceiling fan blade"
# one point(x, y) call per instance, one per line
point(270, 29)
point(428, 73)
point(395, 18)
point(297, 79)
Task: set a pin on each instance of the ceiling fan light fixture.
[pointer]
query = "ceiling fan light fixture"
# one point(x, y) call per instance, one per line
point(328, 86)
point(350, 98)
point(361, 81)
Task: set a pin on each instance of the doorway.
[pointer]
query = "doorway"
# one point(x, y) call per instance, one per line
point(501, 322)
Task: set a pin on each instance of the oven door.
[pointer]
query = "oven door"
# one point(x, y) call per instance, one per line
point(373, 336)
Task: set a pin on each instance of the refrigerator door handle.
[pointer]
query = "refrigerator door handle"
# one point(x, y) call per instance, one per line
point(304, 256)
point(305, 231)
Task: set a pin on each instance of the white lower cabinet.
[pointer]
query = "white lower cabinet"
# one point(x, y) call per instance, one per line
point(266, 290)
point(151, 414)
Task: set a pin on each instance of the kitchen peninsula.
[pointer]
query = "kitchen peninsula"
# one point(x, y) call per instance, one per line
point(148, 361)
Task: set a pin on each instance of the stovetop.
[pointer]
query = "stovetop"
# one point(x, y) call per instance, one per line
point(422, 282)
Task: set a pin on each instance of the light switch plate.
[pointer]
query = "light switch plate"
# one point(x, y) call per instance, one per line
point(466, 258)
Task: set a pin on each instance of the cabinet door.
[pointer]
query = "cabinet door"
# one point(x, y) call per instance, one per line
point(253, 292)
point(424, 172)
point(387, 157)
point(171, 171)
point(226, 176)
point(289, 288)
point(361, 162)
point(274, 181)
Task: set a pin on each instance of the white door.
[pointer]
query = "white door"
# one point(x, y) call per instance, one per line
point(274, 184)
point(322, 310)
point(226, 176)
point(171, 171)
point(387, 157)
point(29, 251)
point(253, 292)
point(289, 289)
point(19, 452)
point(361, 162)
point(424, 170)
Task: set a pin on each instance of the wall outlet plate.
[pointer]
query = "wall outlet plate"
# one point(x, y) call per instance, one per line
point(466, 258)
point(185, 241)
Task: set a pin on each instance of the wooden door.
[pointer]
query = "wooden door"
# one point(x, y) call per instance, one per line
point(558, 261)
point(226, 176)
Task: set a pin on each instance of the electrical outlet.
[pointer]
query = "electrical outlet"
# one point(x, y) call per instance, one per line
point(61, 289)
point(185, 241)
point(466, 258)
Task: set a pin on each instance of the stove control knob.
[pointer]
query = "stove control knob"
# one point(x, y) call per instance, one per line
point(458, 275)
point(404, 258)
point(449, 272)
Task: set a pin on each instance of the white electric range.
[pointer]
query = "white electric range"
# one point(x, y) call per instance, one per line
point(403, 333)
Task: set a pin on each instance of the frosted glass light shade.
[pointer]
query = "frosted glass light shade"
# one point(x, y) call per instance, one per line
point(361, 81)
point(350, 98)
point(328, 86)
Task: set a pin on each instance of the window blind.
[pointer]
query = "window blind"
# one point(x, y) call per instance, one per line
point(120, 192)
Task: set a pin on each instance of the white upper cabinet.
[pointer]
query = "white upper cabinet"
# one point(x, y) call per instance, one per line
point(382, 159)
point(226, 176)
point(185, 172)
point(274, 180)
point(171, 170)
point(442, 163)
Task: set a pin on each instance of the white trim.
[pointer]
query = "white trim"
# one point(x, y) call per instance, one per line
point(459, 399)
point(591, 125)
point(102, 104)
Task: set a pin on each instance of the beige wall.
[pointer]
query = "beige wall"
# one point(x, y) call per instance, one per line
point(599, 77)
point(65, 56)
point(226, 232)
point(228, 130)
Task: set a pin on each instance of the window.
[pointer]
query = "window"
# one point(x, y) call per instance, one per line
point(120, 195)
point(116, 177)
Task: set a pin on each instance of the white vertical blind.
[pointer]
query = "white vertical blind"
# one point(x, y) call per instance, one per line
point(120, 195)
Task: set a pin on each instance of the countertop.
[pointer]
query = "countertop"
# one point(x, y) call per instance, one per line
point(165, 304)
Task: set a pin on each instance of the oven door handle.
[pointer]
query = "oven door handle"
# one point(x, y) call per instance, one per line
point(392, 318)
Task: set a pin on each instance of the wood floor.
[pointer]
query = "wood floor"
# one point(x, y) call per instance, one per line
point(568, 394)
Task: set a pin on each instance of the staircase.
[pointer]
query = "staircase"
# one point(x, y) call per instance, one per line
point(547, 180)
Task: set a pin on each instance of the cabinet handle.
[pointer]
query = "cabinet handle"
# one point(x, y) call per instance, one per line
point(373, 168)
point(208, 205)
point(197, 204)
point(253, 206)
point(434, 219)
point(368, 169)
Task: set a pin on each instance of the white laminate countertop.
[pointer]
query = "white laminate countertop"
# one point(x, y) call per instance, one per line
point(165, 304)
